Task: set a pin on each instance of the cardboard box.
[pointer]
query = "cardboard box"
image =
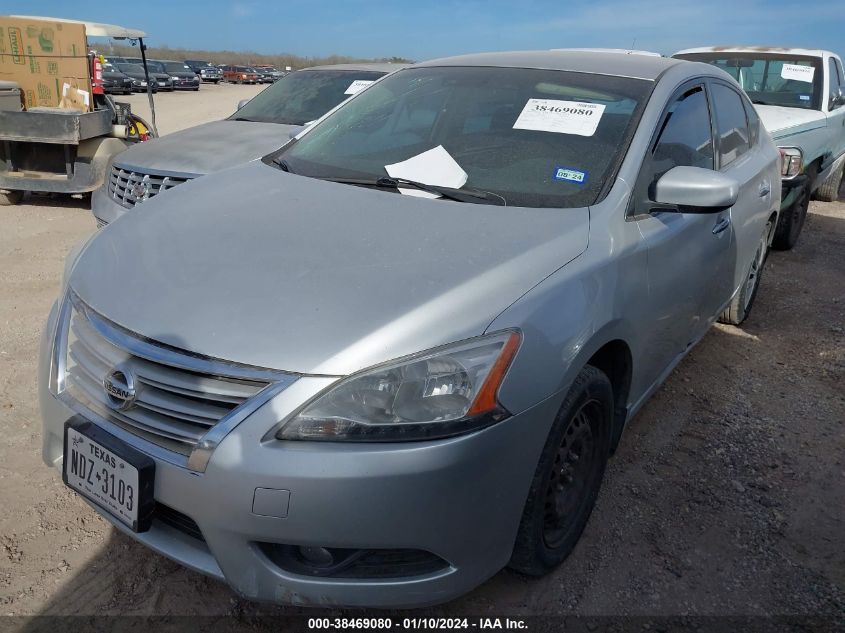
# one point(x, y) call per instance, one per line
point(43, 55)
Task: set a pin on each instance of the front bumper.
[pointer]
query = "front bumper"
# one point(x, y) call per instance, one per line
point(460, 499)
point(186, 84)
point(791, 189)
point(104, 207)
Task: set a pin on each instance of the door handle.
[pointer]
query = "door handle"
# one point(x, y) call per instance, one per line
point(765, 188)
point(721, 225)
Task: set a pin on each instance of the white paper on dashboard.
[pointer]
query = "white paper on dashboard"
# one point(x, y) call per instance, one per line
point(562, 117)
point(357, 86)
point(417, 193)
point(798, 73)
point(434, 167)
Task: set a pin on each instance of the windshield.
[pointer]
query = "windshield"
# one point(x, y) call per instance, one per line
point(176, 67)
point(131, 68)
point(157, 67)
point(778, 79)
point(537, 138)
point(301, 97)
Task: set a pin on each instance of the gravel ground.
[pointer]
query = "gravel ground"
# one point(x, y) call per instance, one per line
point(726, 495)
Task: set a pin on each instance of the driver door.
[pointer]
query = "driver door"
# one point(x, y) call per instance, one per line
point(687, 252)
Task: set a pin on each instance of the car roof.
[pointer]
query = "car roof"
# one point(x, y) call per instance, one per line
point(599, 63)
point(811, 52)
point(384, 68)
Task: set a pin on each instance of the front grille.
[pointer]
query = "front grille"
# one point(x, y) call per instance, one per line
point(167, 404)
point(177, 521)
point(128, 187)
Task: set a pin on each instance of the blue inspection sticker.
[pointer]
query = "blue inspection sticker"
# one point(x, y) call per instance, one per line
point(570, 175)
point(804, 97)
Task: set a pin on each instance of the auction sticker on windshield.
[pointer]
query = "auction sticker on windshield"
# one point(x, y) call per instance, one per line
point(114, 476)
point(357, 86)
point(562, 117)
point(798, 73)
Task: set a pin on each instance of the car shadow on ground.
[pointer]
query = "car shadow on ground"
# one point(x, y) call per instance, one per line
point(80, 201)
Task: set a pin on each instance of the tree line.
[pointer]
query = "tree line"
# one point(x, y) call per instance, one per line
point(239, 58)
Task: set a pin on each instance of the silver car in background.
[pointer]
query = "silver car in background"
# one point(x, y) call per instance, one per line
point(393, 357)
point(262, 125)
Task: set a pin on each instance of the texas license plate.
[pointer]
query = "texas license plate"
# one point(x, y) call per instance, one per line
point(111, 474)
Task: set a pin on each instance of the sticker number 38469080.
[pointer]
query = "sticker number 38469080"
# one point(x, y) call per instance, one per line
point(563, 117)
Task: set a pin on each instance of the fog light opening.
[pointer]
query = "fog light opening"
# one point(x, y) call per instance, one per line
point(310, 560)
point(317, 556)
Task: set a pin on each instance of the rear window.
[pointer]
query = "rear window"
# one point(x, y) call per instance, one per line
point(771, 78)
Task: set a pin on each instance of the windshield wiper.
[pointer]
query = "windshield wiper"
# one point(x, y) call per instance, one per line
point(476, 196)
point(282, 164)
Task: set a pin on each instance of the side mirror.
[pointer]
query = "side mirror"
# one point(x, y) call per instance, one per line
point(696, 190)
point(837, 98)
point(242, 103)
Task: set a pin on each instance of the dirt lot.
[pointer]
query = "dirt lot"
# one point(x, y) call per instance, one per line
point(726, 496)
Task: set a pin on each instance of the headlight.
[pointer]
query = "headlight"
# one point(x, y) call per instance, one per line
point(791, 162)
point(174, 78)
point(433, 394)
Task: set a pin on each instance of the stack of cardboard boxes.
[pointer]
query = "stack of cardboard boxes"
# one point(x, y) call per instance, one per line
point(48, 60)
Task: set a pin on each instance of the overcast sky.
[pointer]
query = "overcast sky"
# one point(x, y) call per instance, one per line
point(426, 29)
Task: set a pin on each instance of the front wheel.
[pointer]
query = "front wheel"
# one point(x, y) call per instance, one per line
point(740, 306)
point(828, 191)
point(568, 476)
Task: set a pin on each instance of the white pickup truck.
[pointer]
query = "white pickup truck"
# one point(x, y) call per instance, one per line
point(800, 97)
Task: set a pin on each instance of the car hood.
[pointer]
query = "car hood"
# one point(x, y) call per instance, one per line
point(275, 270)
point(206, 148)
point(782, 121)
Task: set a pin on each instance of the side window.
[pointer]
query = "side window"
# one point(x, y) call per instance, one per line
point(835, 74)
point(685, 139)
point(731, 124)
point(753, 122)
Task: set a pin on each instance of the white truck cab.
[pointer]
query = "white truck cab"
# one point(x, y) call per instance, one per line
point(800, 97)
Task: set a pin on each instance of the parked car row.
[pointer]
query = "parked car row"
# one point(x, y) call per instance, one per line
point(251, 74)
point(175, 75)
point(387, 347)
point(167, 75)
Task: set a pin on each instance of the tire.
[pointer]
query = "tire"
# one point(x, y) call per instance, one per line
point(740, 306)
point(577, 448)
point(791, 221)
point(828, 191)
point(10, 198)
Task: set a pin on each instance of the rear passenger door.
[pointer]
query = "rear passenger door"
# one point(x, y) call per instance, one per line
point(740, 155)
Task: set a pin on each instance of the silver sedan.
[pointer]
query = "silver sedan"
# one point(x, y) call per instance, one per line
point(393, 357)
